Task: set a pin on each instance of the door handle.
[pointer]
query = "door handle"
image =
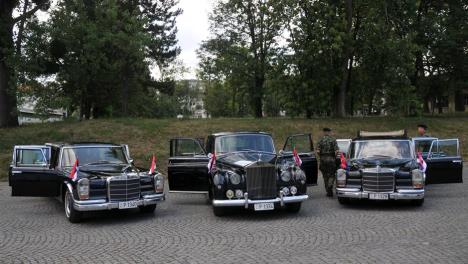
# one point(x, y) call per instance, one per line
point(16, 172)
point(456, 161)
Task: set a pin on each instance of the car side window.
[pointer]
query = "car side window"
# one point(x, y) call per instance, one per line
point(30, 157)
point(188, 147)
point(302, 143)
point(445, 148)
point(423, 145)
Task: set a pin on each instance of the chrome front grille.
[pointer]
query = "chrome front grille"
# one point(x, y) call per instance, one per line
point(123, 188)
point(261, 181)
point(378, 180)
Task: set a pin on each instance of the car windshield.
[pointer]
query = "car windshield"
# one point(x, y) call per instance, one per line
point(244, 142)
point(93, 155)
point(381, 149)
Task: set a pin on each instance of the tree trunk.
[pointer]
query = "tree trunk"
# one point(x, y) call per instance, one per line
point(19, 38)
point(8, 108)
point(341, 98)
point(257, 96)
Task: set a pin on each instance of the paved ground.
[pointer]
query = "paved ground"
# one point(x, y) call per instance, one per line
point(184, 230)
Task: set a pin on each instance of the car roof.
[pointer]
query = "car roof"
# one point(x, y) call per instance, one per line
point(367, 135)
point(83, 144)
point(240, 132)
point(424, 138)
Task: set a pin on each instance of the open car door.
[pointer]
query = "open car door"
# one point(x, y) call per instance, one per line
point(305, 149)
point(444, 162)
point(188, 166)
point(30, 173)
point(343, 145)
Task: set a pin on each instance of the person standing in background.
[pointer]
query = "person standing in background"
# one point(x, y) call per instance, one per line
point(422, 129)
point(327, 150)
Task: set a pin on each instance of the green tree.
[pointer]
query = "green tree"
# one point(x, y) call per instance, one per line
point(8, 91)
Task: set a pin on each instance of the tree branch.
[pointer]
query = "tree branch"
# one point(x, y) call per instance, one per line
point(27, 14)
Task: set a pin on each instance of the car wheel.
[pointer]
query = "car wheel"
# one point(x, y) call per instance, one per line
point(149, 209)
point(72, 215)
point(343, 200)
point(418, 202)
point(293, 207)
point(219, 211)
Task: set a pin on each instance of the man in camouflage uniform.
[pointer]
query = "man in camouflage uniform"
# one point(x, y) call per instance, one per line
point(327, 151)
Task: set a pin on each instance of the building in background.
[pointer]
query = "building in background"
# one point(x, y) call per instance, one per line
point(27, 113)
point(190, 94)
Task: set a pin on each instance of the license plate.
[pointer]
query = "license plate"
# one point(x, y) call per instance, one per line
point(378, 196)
point(264, 206)
point(128, 205)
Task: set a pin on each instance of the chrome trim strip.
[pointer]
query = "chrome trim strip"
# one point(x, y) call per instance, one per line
point(398, 195)
point(101, 204)
point(246, 202)
point(194, 192)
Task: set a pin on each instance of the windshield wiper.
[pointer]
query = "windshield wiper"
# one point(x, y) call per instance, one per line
point(379, 157)
point(101, 162)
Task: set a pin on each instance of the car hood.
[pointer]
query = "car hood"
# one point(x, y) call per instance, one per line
point(244, 159)
point(385, 163)
point(105, 170)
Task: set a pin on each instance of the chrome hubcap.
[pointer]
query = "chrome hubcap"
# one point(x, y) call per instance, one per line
point(68, 202)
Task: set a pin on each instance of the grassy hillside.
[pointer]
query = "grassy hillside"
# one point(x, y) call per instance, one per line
point(147, 136)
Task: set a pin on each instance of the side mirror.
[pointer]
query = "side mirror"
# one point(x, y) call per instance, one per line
point(131, 161)
point(281, 152)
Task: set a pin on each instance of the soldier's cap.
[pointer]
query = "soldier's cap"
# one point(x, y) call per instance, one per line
point(423, 126)
point(326, 129)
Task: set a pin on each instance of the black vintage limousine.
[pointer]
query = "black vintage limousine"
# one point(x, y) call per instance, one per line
point(104, 178)
point(390, 166)
point(247, 172)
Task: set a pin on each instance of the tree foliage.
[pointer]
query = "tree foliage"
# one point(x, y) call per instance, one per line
point(342, 57)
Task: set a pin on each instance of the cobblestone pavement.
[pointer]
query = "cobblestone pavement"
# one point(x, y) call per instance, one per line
point(184, 230)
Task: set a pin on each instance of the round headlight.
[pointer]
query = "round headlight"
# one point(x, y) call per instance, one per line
point(286, 175)
point(229, 194)
point(293, 190)
point(234, 178)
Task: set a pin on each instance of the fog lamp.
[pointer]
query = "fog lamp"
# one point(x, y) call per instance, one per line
point(239, 194)
point(229, 194)
point(293, 190)
point(285, 191)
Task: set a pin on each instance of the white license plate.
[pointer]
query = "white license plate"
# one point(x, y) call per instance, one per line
point(264, 206)
point(378, 196)
point(128, 205)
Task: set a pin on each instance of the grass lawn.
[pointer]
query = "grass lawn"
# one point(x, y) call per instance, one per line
point(147, 136)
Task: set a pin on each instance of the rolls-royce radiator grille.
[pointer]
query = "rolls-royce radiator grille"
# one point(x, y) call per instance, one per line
point(378, 180)
point(261, 181)
point(124, 189)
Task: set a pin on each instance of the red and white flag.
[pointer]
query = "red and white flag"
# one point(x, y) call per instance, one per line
point(152, 168)
point(421, 162)
point(297, 159)
point(74, 171)
point(343, 164)
point(211, 162)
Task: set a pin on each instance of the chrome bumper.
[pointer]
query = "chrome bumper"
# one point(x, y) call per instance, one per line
point(102, 204)
point(246, 201)
point(398, 195)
